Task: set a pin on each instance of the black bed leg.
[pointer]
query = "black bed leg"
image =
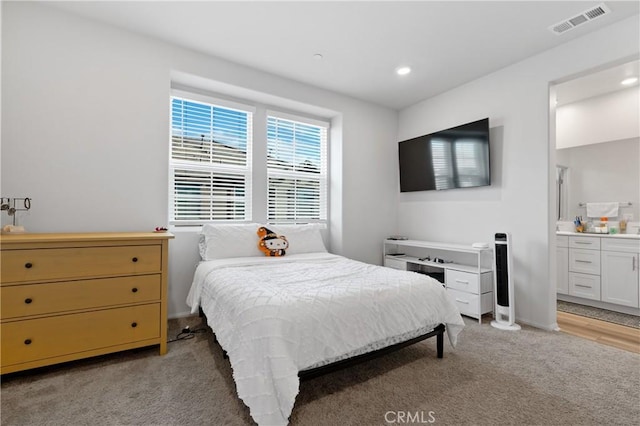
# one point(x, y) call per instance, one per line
point(440, 343)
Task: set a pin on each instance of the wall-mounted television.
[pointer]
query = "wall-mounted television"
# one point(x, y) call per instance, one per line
point(453, 158)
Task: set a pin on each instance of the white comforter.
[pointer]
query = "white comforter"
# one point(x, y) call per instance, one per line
point(277, 316)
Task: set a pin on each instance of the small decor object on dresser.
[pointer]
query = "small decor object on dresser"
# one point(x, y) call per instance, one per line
point(70, 296)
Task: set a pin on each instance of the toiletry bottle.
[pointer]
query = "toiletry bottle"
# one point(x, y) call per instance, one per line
point(604, 225)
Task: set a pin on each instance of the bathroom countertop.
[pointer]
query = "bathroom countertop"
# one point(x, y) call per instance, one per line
point(584, 234)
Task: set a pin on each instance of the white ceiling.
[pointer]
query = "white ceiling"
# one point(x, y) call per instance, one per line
point(362, 42)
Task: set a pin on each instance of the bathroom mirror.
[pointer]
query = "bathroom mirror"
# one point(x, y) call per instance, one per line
point(598, 142)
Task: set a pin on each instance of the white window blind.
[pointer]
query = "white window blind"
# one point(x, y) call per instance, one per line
point(296, 170)
point(210, 163)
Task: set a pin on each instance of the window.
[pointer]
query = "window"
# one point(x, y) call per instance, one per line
point(210, 163)
point(218, 159)
point(296, 169)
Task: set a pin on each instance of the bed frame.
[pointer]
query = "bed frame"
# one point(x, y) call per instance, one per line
point(438, 331)
point(348, 362)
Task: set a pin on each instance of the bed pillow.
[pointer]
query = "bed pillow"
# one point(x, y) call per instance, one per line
point(302, 238)
point(221, 241)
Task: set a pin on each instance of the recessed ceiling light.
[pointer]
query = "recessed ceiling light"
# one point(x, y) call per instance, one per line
point(629, 81)
point(403, 70)
point(317, 56)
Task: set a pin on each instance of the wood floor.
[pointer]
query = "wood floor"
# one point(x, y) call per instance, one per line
point(619, 336)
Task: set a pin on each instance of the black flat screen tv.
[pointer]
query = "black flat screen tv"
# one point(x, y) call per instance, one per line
point(453, 158)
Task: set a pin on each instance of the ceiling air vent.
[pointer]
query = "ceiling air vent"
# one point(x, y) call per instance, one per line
point(586, 16)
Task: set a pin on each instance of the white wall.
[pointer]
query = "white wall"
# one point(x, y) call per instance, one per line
point(610, 117)
point(85, 130)
point(608, 171)
point(516, 100)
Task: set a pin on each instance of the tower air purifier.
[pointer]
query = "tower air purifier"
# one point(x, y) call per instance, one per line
point(503, 285)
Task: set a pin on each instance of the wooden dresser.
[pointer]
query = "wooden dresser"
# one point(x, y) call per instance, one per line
point(70, 296)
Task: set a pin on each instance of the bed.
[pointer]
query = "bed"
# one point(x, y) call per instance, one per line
point(280, 319)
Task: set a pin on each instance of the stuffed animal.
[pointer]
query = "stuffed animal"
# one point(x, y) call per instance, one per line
point(270, 243)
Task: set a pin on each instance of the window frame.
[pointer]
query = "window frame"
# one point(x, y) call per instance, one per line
point(322, 177)
point(246, 170)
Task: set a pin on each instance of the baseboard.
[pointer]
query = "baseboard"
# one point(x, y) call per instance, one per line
point(185, 314)
point(547, 327)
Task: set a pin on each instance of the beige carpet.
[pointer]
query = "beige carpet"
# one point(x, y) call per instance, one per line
point(492, 378)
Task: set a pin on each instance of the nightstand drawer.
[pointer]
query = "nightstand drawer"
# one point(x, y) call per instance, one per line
point(36, 299)
point(30, 340)
point(68, 263)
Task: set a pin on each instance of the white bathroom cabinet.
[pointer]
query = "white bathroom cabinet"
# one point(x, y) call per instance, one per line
point(619, 278)
point(599, 271)
point(562, 267)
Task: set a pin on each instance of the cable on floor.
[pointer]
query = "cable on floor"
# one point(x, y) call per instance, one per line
point(187, 334)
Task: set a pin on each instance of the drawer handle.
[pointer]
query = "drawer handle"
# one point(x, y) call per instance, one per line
point(462, 282)
point(583, 286)
point(28, 300)
point(466, 302)
point(28, 265)
point(134, 324)
point(27, 342)
point(134, 260)
point(134, 290)
point(583, 243)
point(583, 261)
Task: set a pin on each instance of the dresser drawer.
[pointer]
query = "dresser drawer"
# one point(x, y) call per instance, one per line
point(584, 261)
point(65, 263)
point(584, 285)
point(37, 299)
point(588, 243)
point(468, 281)
point(471, 304)
point(30, 340)
point(463, 281)
point(390, 262)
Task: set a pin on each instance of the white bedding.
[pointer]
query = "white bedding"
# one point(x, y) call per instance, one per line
point(277, 316)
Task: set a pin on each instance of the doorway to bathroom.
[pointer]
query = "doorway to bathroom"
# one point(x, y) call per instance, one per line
point(595, 143)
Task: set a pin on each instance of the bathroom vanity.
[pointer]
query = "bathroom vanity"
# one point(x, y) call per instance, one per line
point(599, 270)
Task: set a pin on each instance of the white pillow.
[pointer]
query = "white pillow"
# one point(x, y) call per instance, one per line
point(221, 241)
point(302, 238)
